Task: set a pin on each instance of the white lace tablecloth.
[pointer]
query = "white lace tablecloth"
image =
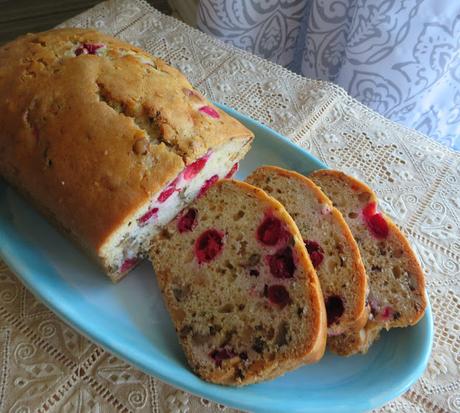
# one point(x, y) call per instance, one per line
point(46, 366)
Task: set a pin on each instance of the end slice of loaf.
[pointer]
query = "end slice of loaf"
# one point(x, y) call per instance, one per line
point(240, 288)
point(332, 248)
point(397, 295)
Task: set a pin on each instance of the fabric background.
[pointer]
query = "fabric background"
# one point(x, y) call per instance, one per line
point(399, 57)
point(46, 366)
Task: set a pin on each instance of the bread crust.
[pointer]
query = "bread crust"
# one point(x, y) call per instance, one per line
point(70, 125)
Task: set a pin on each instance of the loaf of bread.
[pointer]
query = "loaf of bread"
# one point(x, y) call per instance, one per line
point(237, 281)
point(107, 140)
point(332, 248)
point(397, 296)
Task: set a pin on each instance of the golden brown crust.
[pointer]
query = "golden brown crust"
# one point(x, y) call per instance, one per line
point(360, 312)
point(360, 341)
point(415, 269)
point(69, 126)
point(306, 352)
point(346, 179)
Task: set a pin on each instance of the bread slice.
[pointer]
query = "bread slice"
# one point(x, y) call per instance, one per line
point(397, 296)
point(108, 140)
point(332, 248)
point(237, 281)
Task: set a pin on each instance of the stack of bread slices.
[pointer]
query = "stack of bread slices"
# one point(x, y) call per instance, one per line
point(258, 275)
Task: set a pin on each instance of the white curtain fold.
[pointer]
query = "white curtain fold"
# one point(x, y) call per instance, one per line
point(399, 57)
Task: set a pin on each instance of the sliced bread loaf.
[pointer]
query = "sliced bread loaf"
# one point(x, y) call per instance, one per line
point(397, 295)
point(239, 286)
point(332, 248)
point(108, 141)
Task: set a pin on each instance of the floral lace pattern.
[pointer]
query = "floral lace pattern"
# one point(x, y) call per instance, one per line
point(47, 367)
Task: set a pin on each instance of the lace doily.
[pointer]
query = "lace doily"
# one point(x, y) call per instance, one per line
point(46, 366)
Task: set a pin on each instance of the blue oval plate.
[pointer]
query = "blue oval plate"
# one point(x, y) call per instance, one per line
point(130, 320)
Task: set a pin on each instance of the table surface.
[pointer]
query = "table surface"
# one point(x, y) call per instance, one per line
point(46, 365)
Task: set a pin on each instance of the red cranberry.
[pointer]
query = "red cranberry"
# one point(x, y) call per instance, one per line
point(208, 245)
point(277, 294)
point(271, 231)
point(166, 194)
point(92, 47)
point(387, 313)
point(146, 217)
point(378, 226)
point(315, 251)
point(188, 221)
point(209, 182)
point(210, 111)
point(282, 263)
point(312, 246)
point(88, 48)
point(128, 264)
point(195, 168)
point(334, 309)
point(80, 50)
point(369, 210)
point(218, 355)
point(316, 258)
point(232, 171)
point(375, 221)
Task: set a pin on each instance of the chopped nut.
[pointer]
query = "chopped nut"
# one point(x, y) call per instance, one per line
point(258, 345)
point(282, 336)
point(364, 196)
point(226, 308)
point(300, 311)
point(184, 331)
point(254, 259)
point(140, 146)
point(398, 253)
point(180, 294)
point(200, 338)
point(265, 292)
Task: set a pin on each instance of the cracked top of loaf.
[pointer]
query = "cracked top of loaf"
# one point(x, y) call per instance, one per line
point(91, 127)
